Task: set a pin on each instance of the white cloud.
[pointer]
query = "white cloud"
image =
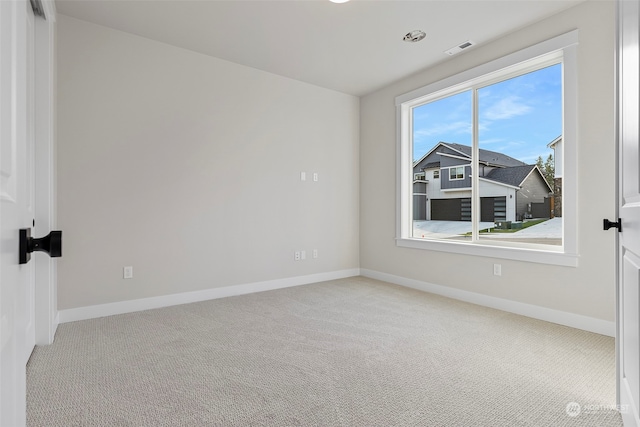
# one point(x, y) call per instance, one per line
point(444, 129)
point(506, 108)
point(490, 141)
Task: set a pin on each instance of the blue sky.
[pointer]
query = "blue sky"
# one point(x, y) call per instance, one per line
point(518, 117)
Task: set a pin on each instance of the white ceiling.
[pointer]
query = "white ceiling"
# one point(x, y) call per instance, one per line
point(355, 47)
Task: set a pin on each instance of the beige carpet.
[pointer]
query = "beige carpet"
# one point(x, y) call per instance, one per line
point(352, 352)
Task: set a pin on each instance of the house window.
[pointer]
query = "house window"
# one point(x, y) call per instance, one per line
point(436, 174)
point(420, 176)
point(456, 173)
point(507, 133)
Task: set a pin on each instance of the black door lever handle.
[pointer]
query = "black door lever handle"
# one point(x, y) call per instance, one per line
point(51, 244)
point(606, 224)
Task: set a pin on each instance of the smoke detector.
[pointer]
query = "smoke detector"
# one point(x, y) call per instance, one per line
point(459, 48)
point(414, 36)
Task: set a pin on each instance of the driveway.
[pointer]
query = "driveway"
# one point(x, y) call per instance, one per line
point(444, 229)
point(550, 229)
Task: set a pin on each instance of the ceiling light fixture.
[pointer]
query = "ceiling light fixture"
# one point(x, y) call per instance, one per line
point(338, 1)
point(414, 36)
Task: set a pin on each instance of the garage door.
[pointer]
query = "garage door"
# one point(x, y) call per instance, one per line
point(491, 209)
point(486, 209)
point(446, 209)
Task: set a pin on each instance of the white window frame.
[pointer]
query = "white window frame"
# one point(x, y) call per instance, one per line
point(451, 177)
point(563, 49)
point(436, 174)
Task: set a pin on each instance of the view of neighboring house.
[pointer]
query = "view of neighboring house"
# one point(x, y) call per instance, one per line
point(510, 189)
point(556, 146)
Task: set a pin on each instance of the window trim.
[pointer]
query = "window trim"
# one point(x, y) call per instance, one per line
point(436, 174)
point(563, 47)
point(451, 169)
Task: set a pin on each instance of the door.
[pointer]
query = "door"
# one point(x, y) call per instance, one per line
point(445, 209)
point(16, 204)
point(628, 288)
point(487, 209)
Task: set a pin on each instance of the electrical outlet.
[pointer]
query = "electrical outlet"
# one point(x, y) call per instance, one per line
point(497, 269)
point(315, 177)
point(303, 176)
point(315, 254)
point(296, 255)
point(127, 272)
point(303, 255)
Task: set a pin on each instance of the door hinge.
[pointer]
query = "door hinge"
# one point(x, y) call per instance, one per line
point(606, 224)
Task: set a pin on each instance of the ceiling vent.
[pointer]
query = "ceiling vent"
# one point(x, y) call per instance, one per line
point(459, 48)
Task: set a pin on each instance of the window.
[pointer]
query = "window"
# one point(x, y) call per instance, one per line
point(456, 173)
point(506, 131)
point(436, 174)
point(420, 176)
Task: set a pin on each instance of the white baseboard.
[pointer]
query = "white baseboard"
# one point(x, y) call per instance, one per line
point(54, 327)
point(542, 313)
point(102, 310)
point(577, 321)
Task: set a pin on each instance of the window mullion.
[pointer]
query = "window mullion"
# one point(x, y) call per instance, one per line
point(475, 181)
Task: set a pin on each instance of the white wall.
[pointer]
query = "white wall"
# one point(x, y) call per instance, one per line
point(587, 290)
point(188, 168)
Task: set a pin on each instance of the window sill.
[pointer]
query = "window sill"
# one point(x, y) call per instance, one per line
point(548, 255)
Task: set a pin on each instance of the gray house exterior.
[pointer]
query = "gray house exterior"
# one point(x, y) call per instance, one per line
point(510, 190)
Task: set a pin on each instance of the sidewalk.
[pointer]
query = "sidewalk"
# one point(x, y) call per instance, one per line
point(550, 229)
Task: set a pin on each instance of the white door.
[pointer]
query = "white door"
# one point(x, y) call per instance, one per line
point(16, 204)
point(629, 198)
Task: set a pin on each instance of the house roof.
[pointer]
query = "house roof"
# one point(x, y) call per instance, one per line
point(554, 142)
point(487, 156)
point(513, 175)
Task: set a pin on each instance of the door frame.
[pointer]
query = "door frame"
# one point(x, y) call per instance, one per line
point(617, 101)
point(46, 311)
point(622, 25)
